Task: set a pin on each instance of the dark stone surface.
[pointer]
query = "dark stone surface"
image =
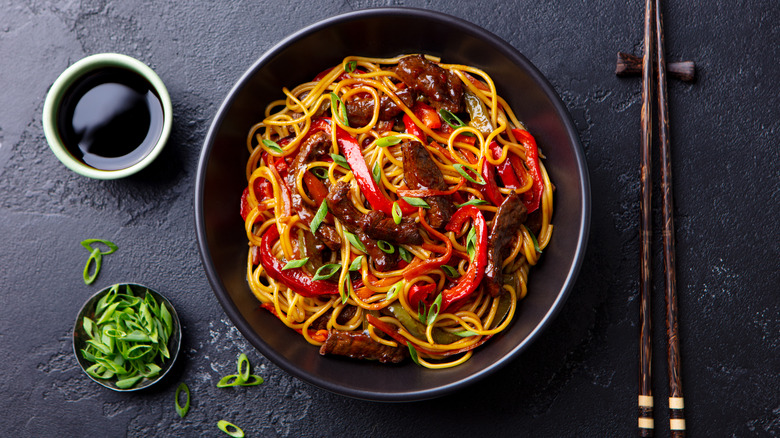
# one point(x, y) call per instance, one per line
point(578, 379)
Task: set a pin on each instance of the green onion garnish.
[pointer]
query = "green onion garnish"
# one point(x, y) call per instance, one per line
point(388, 141)
point(451, 119)
point(292, 264)
point(341, 161)
point(319, 217)
point(422, 312)
point(450, 271)
point(345, 292)
point(394, 290)
point(243, 367)
point(413, 353)
point(405, 254)
point(96, 256)
point(376, 172)
point(416, 202)
point(533, 239)
point(354, 241)
point(338, 108)
point(230, 429)
point(355, 265)
point(127, 337)
point(474, 201)
point(243, 378)
point(397, 213)
point(385, 246)
point(272, 146)
point(326, 271)
point(319, 172)
point(433, 312)
point(464, 171)
point(350, 66)
point(465, 333)
point(471, 243)
point(182, 410)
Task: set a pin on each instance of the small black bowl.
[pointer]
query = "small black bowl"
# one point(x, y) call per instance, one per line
point(387, 32)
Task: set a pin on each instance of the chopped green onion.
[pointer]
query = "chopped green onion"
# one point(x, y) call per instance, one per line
point(319, 217)
point(338, 108)
point(385, 246)
point(450, 271)
point(129, 382)
point(350, 66)
point(533, 239)
point(98, 258)
point(230, 429)
point(354, 241)
point(390, 140)
point(405, 254)
point(319, 172)
point(87, 243)
point(451, 119)
point(474, 201)
point(345, 292)
point(397, 213)
point(182, 410)
point(229, 380)
point(355, 265)
point(413, 353)
point(394, 290)
point(462, 169)
point(422, 312)
point(471, 243)
point(465, 333)
point(433, 312)
point(415, 202)
point(272, 146)
point(292, 264)
point(326, 271)
point(341, 161)
point(243, 367)
point(376, 172)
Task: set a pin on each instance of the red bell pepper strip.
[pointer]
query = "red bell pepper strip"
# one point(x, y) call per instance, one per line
point(505, 170)
point(424, 193)
point(296, 279)
point(434, 263)
point(263, 190)
point(427, 115)
point(533, 197)
point(419, 293)
point(473, 276)
point(490, 189)
point(413, 129)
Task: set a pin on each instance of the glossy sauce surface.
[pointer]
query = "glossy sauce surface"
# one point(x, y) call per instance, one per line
point(110, 119)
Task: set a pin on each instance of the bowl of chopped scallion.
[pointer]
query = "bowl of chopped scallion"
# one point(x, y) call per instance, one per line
point(127, 337)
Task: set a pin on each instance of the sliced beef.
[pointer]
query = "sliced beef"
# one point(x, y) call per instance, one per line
point(360, 110)
point(314, 147)
point(421, 173)
point(442, 88)
point(503, 231)
point(361, 346)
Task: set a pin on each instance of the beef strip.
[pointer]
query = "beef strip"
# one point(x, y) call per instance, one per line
point(371, 227)
point(503, 231)
point(314, 147)
point(360, 110)
point(421, 173)
point(442, 87)
point(361, 346)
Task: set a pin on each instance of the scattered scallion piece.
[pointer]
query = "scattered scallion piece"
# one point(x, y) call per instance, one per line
point(350, 66)
point(397, 213)
point(338, 108)
point(385, 246)
point(341, 161)
point(244, 377)
point(416, 202)
point(319, 217)
point(413, 353)
point(127, 337)
point(326, 271)
point(292, 264)
point(355, 265)
point(354, 241)
point(471, 243)
point(319, 172)
point(405, 254)
point(345, 291)
point(450, 271)
point(96, 257)
point(465, 333)
point(474, 201)
point(465, 172)
point(433, 312)
point(394, 290)
point(230, 429)
point(390, 140)
point(451, 119)
point(533, 239)
point(182, 410)
point(272, 146)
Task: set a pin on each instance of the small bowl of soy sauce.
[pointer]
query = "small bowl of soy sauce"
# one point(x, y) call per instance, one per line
point(107, 116)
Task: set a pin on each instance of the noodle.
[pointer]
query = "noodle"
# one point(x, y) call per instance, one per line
point(432, 296)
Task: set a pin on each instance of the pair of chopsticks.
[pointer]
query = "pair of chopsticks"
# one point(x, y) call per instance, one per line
point(654, 56)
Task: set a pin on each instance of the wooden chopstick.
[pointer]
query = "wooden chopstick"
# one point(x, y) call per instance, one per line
point(676, 405)
point(645, 398)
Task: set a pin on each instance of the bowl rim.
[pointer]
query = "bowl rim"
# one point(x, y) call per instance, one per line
point(71, 75)
point(583, 227)
point(175, 353)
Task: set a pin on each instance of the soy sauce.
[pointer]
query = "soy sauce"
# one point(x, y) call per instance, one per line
point(110, 119)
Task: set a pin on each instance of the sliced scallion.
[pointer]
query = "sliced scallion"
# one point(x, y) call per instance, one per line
point(350, 66)
point(397, 213)
point(416, 202)
point(450, 271)
point(390, 140)
point(433, 312)
point(376, 172)
point(533, 239)
point(230, 429)
point(394, 290)
point(319, 217)
point(466, 172)
point(413, 353)
point(354, 241)
point(273, 146)
point(341, 161)
point(96, 256)
point(338, 108)
point(355, 265)
point(405, 254)
point(451, 119)
point(182, 410)
point(292, 264)
point(475, 201)
point(326, 271)
point(385, 246)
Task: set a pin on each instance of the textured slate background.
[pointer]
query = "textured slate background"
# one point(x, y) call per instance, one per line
point(578, 379)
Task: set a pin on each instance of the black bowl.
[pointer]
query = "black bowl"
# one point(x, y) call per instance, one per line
point(387, 32)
